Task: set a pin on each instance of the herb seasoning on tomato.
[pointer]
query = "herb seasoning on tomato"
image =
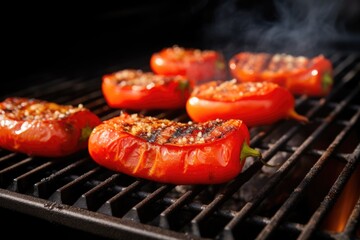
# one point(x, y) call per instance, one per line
point(255, 103)
point(172, 152)
point(135, 89)
point(301, 75)
point(40, 128)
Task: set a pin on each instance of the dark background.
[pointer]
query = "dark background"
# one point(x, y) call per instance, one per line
point(58, 38)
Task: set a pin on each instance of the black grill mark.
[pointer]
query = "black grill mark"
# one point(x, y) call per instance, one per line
point(224, 132)
point(266, 62)
point(152, 137)
point(182, 132)
point(210, 129)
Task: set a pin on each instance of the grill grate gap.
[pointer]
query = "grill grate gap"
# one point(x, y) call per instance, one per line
point(295, 196)
point(169, 218)
point(26, 181)
point(71, 191)
point(146, 210)
point(122, 202)
point(46, 186)
point(350, 228)
point(93, 198)
point(334, 192)
point(79, 182)
point(278, 176)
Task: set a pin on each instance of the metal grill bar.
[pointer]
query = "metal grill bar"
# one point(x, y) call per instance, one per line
point(167, 216)
point(249, 207)
point(197, 223)
point(24, 181)
point(336, 188)
point(353, 222)
point(93, 222)
point(77, 193)
point(112, 206)
point(137, 213)
point(48, 185)
point(5, 174)
point(295, 196)
point(90, 199)
point(69, 193)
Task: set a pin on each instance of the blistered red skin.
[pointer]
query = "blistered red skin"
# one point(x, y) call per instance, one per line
point(255, 110)
point(208, 163)
point(308, 81)
point(47, 138)
point(168, 96)
point(207, 66)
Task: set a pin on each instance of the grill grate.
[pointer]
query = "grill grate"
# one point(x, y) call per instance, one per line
point(260, 203)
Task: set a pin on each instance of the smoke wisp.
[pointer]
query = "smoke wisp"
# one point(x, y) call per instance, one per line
point(299, 27)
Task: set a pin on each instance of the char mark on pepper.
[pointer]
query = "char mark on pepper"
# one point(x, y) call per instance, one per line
point(163, 131)
point(151, 136)
point(183, 131)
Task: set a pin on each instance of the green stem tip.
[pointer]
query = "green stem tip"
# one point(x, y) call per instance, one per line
point(327, 81)
point(247, 151)
point(85, 133)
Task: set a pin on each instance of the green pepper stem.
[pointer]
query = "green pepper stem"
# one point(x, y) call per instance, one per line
point(327, 81)
point(85, 133)
point(247, 151)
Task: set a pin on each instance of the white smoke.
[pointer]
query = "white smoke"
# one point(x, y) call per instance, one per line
point(293, 26)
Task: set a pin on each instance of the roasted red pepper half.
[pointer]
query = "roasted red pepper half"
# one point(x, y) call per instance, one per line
point(198, 65)
point(135, 89)
point(299, 74)
point(255, 103)
point(172, 152)
point(46, 129)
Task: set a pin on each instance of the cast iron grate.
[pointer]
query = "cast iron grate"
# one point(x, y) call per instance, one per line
point(261, 203)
